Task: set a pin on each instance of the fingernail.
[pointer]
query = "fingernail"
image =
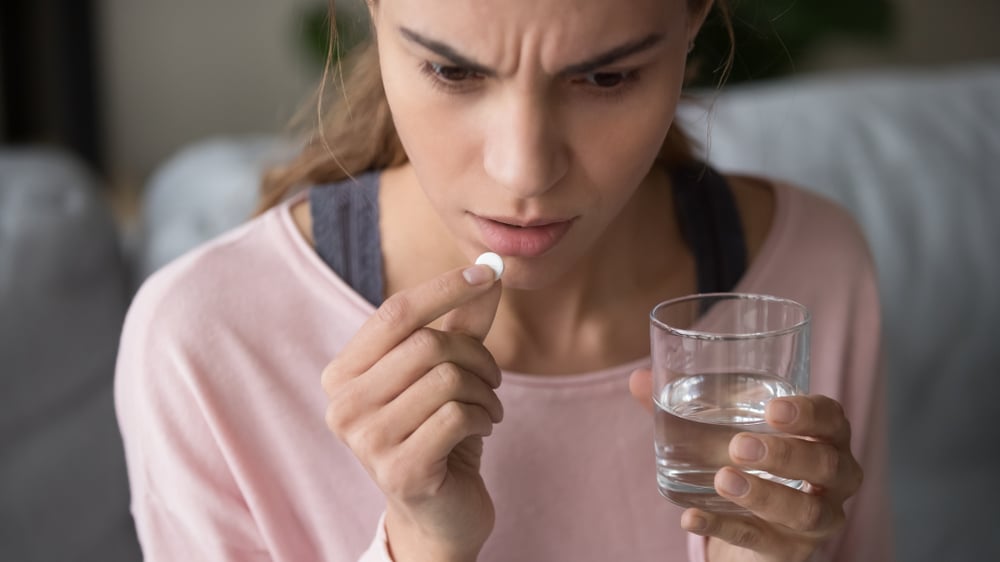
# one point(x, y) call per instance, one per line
point(732, 483)
point(749, 448)
point(783, 411)
point(478, 274)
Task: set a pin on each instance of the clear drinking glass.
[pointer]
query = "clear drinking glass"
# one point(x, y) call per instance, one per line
point(718, 359)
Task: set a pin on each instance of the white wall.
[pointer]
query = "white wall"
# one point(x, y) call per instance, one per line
point(180, 70)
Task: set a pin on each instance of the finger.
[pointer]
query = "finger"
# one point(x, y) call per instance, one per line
point(817, 462)
point(448, 426)
point(407, 311)
point(445, 383)
point(813, 416)
point(418, 354)
point(640, 384)
point(475, 317)
point(742, 531)
point(777, 503)
point(403, 366)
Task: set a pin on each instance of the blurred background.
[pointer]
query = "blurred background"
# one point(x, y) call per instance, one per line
point(132, 130)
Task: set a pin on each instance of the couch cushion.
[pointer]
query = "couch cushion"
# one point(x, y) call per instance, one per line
point(200, 192)
point(62, 302)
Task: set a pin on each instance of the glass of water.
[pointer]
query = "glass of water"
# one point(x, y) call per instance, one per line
point(718, 359)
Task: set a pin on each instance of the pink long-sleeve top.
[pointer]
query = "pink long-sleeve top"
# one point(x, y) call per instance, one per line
point(222, 413)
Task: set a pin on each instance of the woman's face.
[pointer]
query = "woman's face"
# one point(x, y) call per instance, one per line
point(531, 123)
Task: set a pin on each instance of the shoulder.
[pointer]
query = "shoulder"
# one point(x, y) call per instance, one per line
point(231, 262)
point(221, 290)
point(818, 225)
point(235, 292)
point(778, 213)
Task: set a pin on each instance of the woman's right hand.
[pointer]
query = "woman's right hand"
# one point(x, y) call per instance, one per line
point(414, 403)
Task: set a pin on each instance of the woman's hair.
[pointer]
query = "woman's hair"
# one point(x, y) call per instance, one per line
point(358, 134)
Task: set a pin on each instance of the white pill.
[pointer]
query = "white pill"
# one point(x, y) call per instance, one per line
point(494, 261)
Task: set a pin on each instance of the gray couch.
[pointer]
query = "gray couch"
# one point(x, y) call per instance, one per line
point(64, 289)
point(915, 156)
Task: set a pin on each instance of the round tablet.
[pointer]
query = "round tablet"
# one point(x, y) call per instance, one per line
point(494, 261)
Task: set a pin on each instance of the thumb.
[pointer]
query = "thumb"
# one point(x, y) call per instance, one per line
point(474, 317)
point(640, 384)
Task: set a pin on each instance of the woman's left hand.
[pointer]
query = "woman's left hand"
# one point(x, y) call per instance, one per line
point(786, 525)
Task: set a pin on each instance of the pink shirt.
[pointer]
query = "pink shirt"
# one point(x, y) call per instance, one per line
point(222, 413)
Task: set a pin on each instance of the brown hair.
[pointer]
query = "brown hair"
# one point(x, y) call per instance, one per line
point(359, 135)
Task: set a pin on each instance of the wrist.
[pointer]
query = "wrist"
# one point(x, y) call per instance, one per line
point(408, 542)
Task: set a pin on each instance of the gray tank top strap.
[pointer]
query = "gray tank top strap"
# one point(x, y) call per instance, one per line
point(710, 222)
point(345, 219)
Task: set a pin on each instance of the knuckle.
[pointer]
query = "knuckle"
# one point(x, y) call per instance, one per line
point(484, 422)
point(394, 310)
point(830, 464)
point(807, 410)
point(339, 413)
point(845, 425)
point(497, 406)
point(813, 517)
point(354, 442)
point(428, 340)
point(760, 498)
point(838, 409)
point(836, 415)
point(330, 377)
point(453, 414)
point(392, 481)
point(370, 439)
point(746, 537)
point(334, 421)
point(779, 451)
point(441, 285)
point(447, 378)
point(857, 477)
point(364, 443)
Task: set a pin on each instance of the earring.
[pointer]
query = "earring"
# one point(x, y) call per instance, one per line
point(690, 46)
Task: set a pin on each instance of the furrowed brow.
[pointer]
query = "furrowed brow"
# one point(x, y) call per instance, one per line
point(445, 51)
point(613, 55)
point(594, 63)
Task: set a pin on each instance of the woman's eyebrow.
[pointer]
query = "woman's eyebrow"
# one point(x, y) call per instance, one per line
point(445, 51)
point(593, 63)
point(613, 55)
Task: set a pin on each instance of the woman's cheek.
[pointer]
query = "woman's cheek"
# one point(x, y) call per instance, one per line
point(624, 145)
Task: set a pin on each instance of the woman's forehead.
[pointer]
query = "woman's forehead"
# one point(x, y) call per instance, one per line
point(504, 32)
point(485, 14)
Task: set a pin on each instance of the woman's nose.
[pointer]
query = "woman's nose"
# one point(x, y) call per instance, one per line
point(524, 149)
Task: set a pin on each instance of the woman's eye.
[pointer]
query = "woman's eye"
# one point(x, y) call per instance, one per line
point(451, 73)
point(606, 79)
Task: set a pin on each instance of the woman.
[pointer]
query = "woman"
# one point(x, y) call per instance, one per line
point(542, 131)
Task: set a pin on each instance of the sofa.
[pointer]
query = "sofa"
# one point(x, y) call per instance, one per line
point(64, 288)
point(914, 155)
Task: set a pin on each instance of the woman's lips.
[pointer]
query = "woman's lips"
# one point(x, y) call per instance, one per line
point(524, 241)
